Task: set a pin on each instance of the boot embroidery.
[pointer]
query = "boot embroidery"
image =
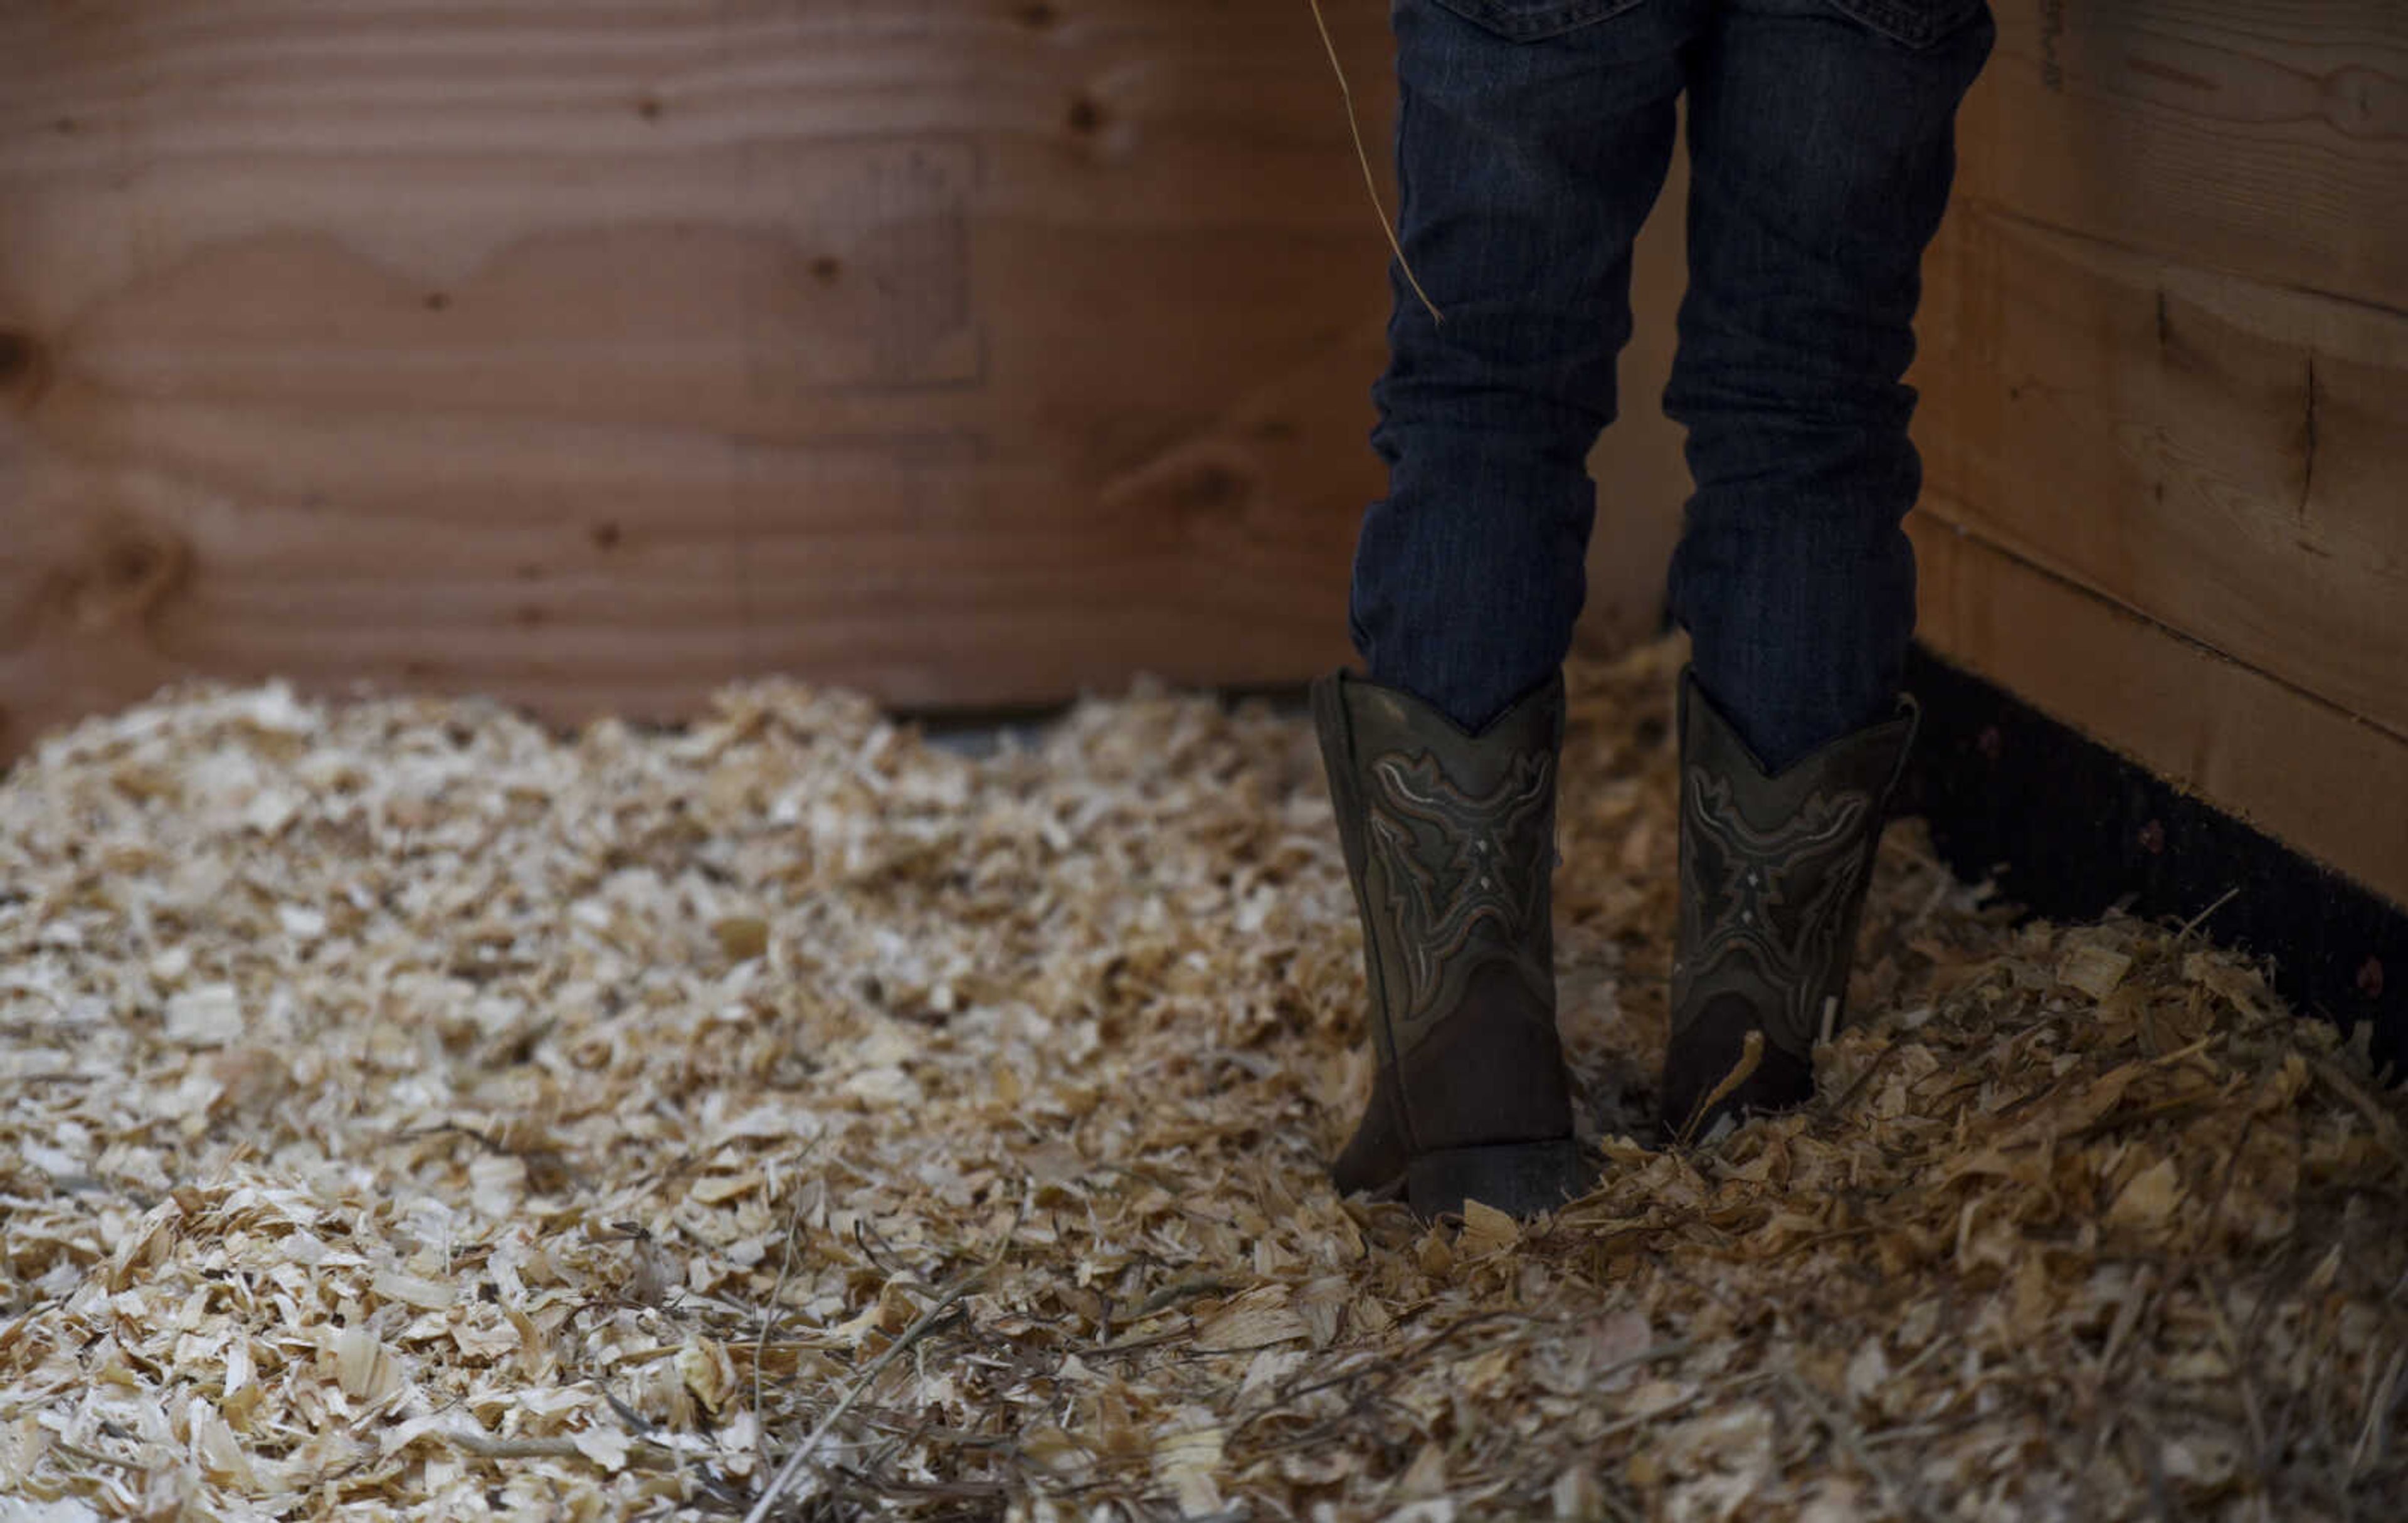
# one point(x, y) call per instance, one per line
point(1778, 896)
point(1451, 862)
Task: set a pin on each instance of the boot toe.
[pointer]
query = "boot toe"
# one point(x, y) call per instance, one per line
point(1520, 1179)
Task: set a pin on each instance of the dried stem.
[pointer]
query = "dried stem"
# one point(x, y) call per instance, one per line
point(1852, 1438)
point(787, 1473)
point(1363, 156)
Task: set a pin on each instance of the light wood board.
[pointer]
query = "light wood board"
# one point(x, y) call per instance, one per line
point(2305, 773)
point(589, 354)
point(2164, 415)
point(2224, 457)
point(2264, 137)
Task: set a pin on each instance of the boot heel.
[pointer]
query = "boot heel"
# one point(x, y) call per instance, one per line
point(1520, 1179)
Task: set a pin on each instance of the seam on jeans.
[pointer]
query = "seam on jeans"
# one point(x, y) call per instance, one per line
point(1917, 23)
point(1525, 21)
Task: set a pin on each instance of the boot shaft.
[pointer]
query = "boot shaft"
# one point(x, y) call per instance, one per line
point(1772, 877)
point(1450, 840)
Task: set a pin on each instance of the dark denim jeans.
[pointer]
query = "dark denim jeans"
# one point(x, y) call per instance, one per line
point(1532, 138)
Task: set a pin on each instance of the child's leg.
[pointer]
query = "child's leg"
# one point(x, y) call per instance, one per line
point(1527, 167)
point(1531, 145)
point(1821, 150)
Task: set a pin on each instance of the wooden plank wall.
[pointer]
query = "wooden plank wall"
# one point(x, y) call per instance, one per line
point(2165, 413)
point(588, 352)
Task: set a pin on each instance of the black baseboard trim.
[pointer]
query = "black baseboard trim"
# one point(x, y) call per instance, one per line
point(2067, 828)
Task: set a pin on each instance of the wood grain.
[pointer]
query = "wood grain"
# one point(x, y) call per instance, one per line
point(2165, 416)
point(588, 354)
point(2262, 138)
point(2224, 457)
point(2300, 769)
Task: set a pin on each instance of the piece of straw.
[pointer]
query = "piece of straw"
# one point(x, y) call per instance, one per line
point(1362, 156)
point(787, 1473)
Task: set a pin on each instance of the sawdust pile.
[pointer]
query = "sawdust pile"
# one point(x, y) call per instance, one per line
point(409, 1111)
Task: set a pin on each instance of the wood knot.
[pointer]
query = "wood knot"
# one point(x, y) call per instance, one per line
point(24, 366)
point(1213, 489)
point(132, 574)
point(1206, 488)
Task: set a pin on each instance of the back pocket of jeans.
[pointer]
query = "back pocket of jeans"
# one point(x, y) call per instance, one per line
point(1527, 20)
point(1918, 23)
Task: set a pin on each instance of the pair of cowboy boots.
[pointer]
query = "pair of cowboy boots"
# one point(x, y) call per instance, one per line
point(1449, 840)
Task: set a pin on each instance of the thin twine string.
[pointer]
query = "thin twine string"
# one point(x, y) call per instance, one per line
point(1362, 156)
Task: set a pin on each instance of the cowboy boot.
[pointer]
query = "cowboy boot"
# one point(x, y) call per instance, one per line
point(1449, 840)
point(1774, 871)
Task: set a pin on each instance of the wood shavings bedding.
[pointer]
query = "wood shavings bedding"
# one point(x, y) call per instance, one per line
point(411, 1112)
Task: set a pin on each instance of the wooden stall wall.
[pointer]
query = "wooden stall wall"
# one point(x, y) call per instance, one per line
point(589, 352)
point(2165, 417)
